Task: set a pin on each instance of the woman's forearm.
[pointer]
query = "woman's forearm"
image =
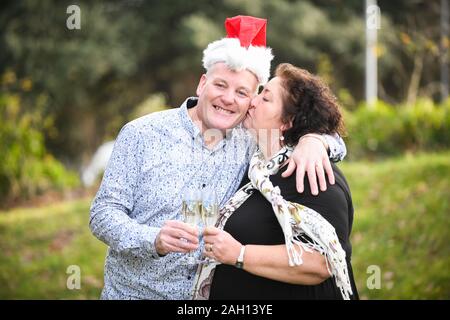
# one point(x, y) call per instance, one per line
point(272, 262)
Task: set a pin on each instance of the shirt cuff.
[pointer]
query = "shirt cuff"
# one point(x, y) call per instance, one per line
point(336, 147)
point(150, 235)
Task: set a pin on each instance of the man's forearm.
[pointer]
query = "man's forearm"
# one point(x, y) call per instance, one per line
point(125, 235)
point(110, 221)
point(334, 145)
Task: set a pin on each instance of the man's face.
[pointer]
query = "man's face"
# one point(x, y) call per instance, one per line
point(224, 97)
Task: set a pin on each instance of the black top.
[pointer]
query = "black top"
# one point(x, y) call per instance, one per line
point(255, 223)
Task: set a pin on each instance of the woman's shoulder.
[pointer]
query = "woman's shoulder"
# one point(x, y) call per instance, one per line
point(288, 187)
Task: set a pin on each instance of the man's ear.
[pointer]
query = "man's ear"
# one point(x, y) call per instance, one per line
point(201, 84)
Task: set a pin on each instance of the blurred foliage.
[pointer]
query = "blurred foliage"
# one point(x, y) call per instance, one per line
point(383, 130)
point(26, 168)
point(124, 51)
point(131, 57)
point(401, 225)
point(153, 103)
point(409, 50)
point(127, 50)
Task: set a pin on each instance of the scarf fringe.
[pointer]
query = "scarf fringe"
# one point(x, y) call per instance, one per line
point(295, 259)
point(296, 221)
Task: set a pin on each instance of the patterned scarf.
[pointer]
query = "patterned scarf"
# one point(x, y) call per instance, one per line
point(304, 228)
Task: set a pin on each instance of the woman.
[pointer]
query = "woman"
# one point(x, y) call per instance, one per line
point(275, 242)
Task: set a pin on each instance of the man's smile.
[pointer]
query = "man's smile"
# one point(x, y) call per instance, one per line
point(222, 110)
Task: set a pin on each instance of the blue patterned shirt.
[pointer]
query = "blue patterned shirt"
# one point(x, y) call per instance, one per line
point(155, 159)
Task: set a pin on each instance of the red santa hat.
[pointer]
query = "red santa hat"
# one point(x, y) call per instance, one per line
point(243, 48)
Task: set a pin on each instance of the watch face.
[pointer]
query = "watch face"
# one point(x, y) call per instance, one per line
point(239, 265)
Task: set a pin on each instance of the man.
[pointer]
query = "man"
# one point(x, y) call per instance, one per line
point(156, 158)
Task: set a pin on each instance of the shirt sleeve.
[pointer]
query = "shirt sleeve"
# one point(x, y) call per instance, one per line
point(110, 219)
point(337, 148)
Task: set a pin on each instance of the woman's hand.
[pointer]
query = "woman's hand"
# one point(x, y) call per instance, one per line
point(220, 245)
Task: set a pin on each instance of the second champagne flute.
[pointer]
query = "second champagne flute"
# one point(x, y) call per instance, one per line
point(210, 211)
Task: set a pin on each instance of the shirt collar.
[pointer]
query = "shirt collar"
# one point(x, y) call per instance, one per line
point(186, 120)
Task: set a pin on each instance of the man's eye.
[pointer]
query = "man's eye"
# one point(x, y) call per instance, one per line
point(220, 85)
point(243, 93)
point(265, 99)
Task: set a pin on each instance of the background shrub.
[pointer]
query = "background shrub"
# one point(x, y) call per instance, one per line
point(386, 130)
point(26, 169)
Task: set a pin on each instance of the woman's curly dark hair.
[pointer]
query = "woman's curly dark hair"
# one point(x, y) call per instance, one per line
point(309, 103)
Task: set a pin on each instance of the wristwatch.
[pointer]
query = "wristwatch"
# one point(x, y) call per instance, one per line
point(240, 260)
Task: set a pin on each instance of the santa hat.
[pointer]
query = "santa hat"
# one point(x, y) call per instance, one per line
point(243, 48)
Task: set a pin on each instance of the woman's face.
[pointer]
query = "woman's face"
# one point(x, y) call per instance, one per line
point(266, 108)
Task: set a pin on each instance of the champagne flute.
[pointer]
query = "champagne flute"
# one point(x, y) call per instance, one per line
point(210, 211)
point(191, 209)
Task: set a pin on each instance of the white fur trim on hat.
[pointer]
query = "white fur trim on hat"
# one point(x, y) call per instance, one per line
point(229, 51)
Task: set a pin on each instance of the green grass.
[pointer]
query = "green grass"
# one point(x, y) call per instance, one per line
point(401, 225)
point(38, 245)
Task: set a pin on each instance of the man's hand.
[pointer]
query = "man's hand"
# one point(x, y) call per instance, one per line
point(176, 236)
point(311, 156)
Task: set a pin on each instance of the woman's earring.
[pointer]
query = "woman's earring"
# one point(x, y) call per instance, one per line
point(282, 138)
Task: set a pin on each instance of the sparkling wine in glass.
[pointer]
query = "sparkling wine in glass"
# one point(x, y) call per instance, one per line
point(210, 211)
point(191, 208)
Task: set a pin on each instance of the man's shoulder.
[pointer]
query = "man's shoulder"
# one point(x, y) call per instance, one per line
point(159, 119)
